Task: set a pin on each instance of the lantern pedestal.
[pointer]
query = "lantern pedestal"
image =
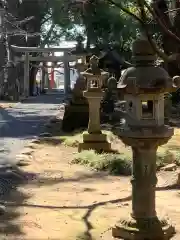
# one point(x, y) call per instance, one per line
point(143, 222)
point(141, 229)
point(94, 139)
point(77, 106)
point(97, 142)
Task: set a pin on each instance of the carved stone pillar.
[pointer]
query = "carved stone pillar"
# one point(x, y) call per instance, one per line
point(144, 182)
point(143, 222)
point(94, 139)
point(94, 113)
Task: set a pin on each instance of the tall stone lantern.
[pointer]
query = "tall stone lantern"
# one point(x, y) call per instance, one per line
point(80, 65)
point(77, 106)
point(94, 139)
point(81, 53)
point(144, 86)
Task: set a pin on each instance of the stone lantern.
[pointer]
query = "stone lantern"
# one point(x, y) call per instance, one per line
point(144, 86)
point(81, 53)
point(80, 65)
point(77, 106)
point(94, 139)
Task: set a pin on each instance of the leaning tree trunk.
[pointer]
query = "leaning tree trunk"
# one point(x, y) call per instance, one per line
point(170, 45)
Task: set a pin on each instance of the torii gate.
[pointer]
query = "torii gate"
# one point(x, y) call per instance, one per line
point(27, 58)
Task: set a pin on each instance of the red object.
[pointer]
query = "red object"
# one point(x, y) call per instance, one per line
point(52, 83)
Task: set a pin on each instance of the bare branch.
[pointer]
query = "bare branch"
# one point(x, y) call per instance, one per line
point(119, 5)
point(160, 53)
point(165, 29)
point(24, 20)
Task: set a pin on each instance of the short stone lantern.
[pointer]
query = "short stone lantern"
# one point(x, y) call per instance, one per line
point(94, 139)
point(144, 86)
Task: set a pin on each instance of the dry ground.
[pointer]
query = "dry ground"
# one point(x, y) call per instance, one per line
point(61, 201)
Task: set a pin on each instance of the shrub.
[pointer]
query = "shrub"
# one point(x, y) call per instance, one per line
point(119, 164)
point(167, 157)
point(113, 163)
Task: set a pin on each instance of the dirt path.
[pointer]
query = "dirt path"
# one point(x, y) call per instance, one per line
point(21, 122)
point(63, 200)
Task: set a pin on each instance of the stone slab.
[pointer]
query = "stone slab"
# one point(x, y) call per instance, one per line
point(94, 138)
point(98, 147)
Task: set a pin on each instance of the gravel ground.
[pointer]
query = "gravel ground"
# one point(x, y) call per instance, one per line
point(22, 123)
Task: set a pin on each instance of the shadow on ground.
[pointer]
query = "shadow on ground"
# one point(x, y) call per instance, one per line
point(16, 200)
point(10, 179)
point(12, 198)
point(13, 178)
point(21, 126)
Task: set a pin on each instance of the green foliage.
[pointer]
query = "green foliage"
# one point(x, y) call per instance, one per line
point(98, 20)
point(72, 141)
point(106, 24)
point(167, 157)
point(120, 164)
point(113, 163)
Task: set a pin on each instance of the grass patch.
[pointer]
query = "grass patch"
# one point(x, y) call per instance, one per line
point(118, 164)
point(167, 157)
point(77, 137)
point(72, 141)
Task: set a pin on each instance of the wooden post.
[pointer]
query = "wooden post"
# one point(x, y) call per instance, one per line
point(26, 75)
point(52, 78)
point(47, 80)
point(67, 80)
point(52, 74)
point(43, 78)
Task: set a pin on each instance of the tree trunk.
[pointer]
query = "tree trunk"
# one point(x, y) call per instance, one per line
point(169, 44)
point(27, 8)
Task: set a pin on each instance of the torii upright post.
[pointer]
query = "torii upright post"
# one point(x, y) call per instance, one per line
point(67, 80)
point(26, 75)
point(43, 78)
point(52, 83)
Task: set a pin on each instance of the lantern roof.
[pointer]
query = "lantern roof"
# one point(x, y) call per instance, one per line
point(94, 69)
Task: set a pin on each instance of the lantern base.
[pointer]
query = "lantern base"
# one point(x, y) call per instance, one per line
point(78, 112)
point(97, 142)
point(141, 229)
point(77, 108)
